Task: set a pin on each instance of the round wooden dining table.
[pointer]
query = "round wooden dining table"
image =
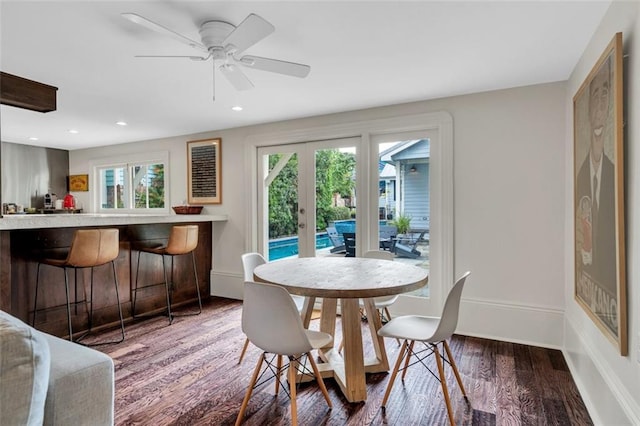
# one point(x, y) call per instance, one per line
point(346, 279)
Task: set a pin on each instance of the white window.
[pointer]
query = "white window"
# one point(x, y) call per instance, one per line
point(137, 186)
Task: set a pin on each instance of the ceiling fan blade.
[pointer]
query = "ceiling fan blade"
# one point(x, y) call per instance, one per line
point(140, 20)
point(249, 32)
point(275, 65)
point(236, 77)
point(193, 58)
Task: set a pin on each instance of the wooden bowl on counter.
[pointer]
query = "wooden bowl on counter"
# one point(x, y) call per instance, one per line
point(187, 209)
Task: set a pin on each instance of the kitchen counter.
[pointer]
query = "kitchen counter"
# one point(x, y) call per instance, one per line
point(24, 238)
point(66, 220)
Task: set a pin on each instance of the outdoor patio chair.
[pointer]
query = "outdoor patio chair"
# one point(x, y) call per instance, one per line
point(386, 236)
point(350, 243)
point(408, 249)
point(336, 240)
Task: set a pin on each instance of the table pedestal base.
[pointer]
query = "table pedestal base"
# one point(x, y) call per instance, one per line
point(348, 370)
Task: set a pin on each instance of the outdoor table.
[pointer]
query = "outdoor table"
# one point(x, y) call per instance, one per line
point(346, 279)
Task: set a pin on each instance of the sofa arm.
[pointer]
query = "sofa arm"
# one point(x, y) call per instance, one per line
point(81, 385)
point(24, 373)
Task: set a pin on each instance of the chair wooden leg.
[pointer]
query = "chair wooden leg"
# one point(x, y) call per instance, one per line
point(406, 362)
point(278, 371)
point(319, 379)
point(292, 389)
point(388, 315)
point(247, 396)
point(455, 368)
point(394, 373)
point(244, 349)
point(443, 383)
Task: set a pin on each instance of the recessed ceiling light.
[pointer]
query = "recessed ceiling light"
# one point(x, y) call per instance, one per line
point(33, 138)
point(236, 108)
point(74, 131)
point(121, 123)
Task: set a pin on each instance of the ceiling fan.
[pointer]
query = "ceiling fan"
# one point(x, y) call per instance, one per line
point(223, 43)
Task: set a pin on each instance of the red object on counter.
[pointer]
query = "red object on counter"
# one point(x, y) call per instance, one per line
point(69, 202)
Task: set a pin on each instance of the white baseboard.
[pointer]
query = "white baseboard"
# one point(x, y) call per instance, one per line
point(608, 401)
point(516, 323)
point(226, 284)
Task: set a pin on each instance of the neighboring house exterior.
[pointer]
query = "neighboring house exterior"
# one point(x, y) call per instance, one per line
point(406, 191)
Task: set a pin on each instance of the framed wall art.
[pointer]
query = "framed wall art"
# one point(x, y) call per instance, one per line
point(600, 275)
point(78, 182)
point(203, 169)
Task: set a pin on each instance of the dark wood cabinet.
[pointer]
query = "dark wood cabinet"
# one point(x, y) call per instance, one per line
point(20, 250)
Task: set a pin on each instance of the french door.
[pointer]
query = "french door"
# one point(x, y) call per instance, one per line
point(303, 189)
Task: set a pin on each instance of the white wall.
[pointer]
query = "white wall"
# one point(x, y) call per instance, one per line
point(609, 383)
point(508, 159)
point(513, 158)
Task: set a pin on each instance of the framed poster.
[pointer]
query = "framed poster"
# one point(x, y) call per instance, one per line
point(203, 169)
point(78, 183)
point(600, 276)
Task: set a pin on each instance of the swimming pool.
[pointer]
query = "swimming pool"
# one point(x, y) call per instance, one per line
point(285, 247)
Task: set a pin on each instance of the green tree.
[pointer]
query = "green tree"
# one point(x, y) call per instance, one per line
point(334, 175)
point(283, 198)
point(154, 179)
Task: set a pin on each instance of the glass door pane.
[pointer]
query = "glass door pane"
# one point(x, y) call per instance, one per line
point(404, 201)
point(280, 179)
point(335, 200)
point(306, 189)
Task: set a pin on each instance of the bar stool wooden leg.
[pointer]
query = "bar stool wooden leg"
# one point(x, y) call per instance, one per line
point(66, 289)
point(35, 301)
point(135, 288)
point(166, 286)
point(195, 274)
point(115, 281)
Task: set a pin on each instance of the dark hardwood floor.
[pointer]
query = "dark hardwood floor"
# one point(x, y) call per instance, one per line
point(187, 374)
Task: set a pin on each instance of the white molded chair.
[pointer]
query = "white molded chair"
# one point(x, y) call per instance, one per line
point(271, 321)
point(251, 261)
point(431, 331)
point(382, 303)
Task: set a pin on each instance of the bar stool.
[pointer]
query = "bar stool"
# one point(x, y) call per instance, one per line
point(182, 240)
point(89, 248)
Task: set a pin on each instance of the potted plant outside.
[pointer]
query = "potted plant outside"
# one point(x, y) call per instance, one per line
point(403, 223)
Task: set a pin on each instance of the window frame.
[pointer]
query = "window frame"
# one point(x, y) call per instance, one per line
point(129, 162)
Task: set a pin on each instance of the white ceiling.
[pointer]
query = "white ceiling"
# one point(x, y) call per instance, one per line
point(362, 54)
